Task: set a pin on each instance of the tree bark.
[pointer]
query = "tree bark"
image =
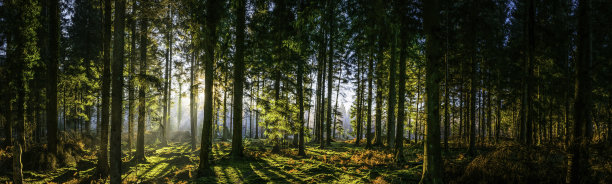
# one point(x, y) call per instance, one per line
point(131, 85)
point(399, 142)
point(432, 164)
point(52, 67)
point(103, 157)
point(117, 82)
point(578, 156)
point(212, 18)
point(142, 106)
point(193, 93)
point(238, 80)
point(391, 97)
point(330, 76)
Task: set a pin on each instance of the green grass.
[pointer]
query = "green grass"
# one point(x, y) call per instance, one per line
point(177, 163)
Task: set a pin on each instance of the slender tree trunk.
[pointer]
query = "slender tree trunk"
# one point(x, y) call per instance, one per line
point(238, 80)
point(399, 143)
point(212, 19)
point(336, 105)
point(359, 102)
point(256, 111)
point(391, 97)
point(142, 107)
point(117, 110)
point(416, 123)
point(446, 96)
point(193, 93)
point(330, 75)
point(369, 112)
point(52, 67)
point(132, 76)
point(300, 81)
point(472, 105)
point(103, 157)
point(432, 161)
point(578, 156)
point(226, 133)
point(167, 81)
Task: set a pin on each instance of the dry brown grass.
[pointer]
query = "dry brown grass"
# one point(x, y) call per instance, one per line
point(514, 163)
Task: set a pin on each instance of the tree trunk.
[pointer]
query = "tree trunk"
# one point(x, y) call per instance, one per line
point(238, 80)
point(132, 76)
point(391, 97)
point(117, 106)
point(359, 102)
point(52, 67)
point(142, 107)
point(472, 105)
point(212, 19)
point(369, 111)
point(446, 96)
point(578, 156)
point(193, 93)
point(300, 87)
point(399, 139)
point(103, 157)
point(432, 161)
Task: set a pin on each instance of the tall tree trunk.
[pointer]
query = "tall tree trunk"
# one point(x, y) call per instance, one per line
point(578, 156)
point(472, 107)
point(212, 18)
point(52, 67)
point(416, 123)
point(117, 110)
point(391, 97)
point(432, 161)
point(322, 104)
point(103, 157)
point(193, 93)
point(167, 81)
point(132, 76)
point(369, 112)
point(446, 96)
point(527, 118)
point(226, 133)
point(300, 87)
point(238, 80)
point(359, 102)
point(142, 106)
point(330, 71)
point(336, 104)
point(256, 110)
point(399, 139)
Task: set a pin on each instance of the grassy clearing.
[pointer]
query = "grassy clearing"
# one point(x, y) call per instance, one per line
point(176, 163)
point(339, 163)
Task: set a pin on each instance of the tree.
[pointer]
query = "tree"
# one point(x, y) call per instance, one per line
point(103, 157)
point(132, 77)
point(432, 165)
point(52, 67)
point(117, 106)
point(578, 156)
point(168, 79)
point(142, 106)
point(399, 143)
point(330, 70)
point(212, 18)
point(193, 93)
point(391, 96)
point(238, 79)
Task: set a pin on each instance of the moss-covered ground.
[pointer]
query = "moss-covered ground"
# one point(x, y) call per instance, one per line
point(340, 162)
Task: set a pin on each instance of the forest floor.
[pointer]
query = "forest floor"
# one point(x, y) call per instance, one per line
point(342, 162)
